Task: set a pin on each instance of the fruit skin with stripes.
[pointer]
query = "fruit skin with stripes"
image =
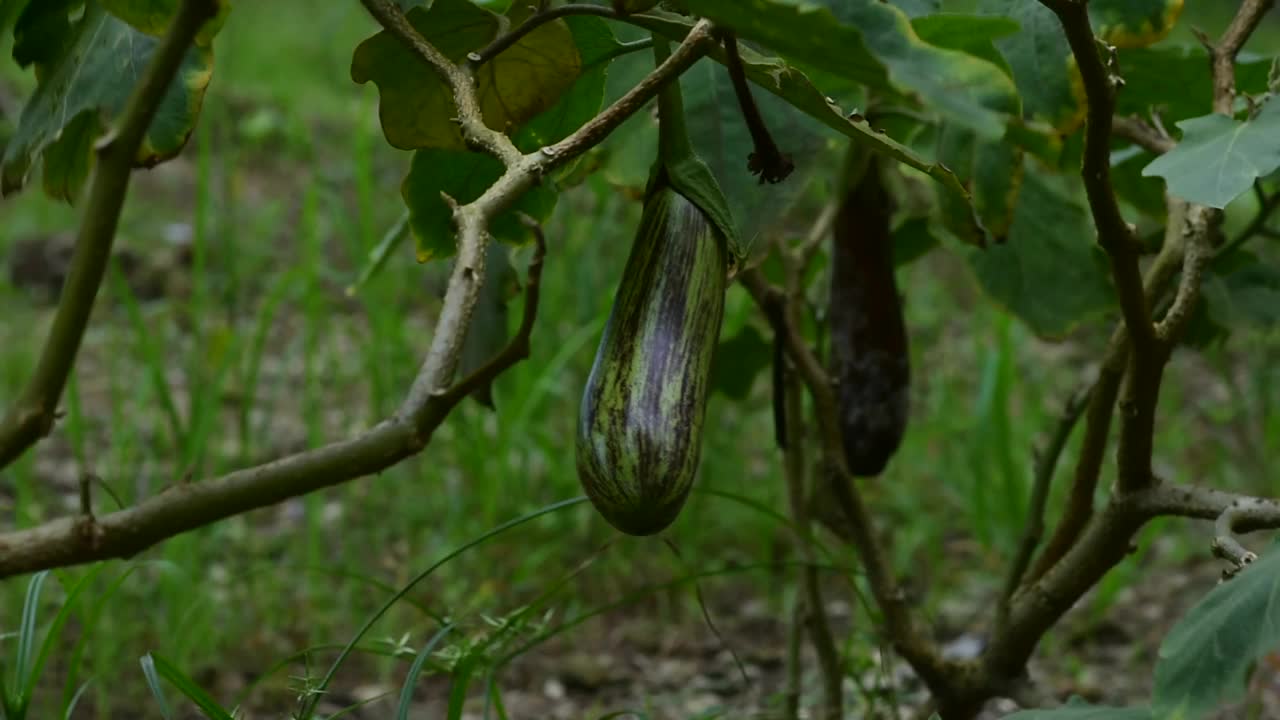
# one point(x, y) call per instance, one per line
point(869, 358)
point(640, 425)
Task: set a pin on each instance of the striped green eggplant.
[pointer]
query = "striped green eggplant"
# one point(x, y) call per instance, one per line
point(640, 424)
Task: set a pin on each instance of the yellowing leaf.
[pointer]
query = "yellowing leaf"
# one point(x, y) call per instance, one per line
point(417, 109)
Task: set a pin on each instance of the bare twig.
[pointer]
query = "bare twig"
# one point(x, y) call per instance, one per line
point(1046, 461)
point(33, 414)
point(1143, 135)
point(539, 18)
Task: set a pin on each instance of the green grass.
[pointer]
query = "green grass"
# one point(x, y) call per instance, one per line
point(285, 187)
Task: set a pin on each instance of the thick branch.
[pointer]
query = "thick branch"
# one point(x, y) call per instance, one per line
point(32, 416)
point(1107, 542)
point(1102, 401)
point(188, 505)
point(1114, 234)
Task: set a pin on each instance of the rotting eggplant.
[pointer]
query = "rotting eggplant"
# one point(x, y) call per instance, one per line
point(869, 356)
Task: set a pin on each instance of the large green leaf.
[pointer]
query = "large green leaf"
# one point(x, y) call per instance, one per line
point(992, 172)
point(974, 34)
point(95, 73)
point(487, 334)
point(417, 109)
point(1049, 273)
point(1243, 291)
point(723, 142)
point(1041, 61)
point(1220, 157)
point(1133, 23)
point(790, 84)
point(855, 38)
point(1204, 658)
point(1177, 81)
point(464, 176)
point(153, 17)
point(42, 32)
point(1083, 712)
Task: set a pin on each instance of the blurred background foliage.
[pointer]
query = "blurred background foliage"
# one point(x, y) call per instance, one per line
point(225, 336)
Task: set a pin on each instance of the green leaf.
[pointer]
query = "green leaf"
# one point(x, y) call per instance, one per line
point(724, 143)
point(42, 33)
point(1041, 62)
point(1049, 273)
point(416, 107)
point(487, 334)
point(913, 239)
point(153, 17)
point(415, 671)
point(1145, 194)
point(738, 361)
point(154, 665)
point(973, 34)
point(597, 46)
point(1243, 291)
point(916, 8)
point(1177, 81)
point(68, 160)
point(1133, 23)
point(992, 172)
point(790, 84)
point(1219, 157)
point(863, 39)
point(1084, 713)
point(464, 176)
point(96, 74)
point(1204, 658)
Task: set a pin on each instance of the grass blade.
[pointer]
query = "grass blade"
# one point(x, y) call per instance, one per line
point(153, 682)
point(379, 254)
point(308, 709)
point(55, 630)
point(415, 670)
point(461, 680)
point(70, 709)
point(27, 638)
point(184, 684)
